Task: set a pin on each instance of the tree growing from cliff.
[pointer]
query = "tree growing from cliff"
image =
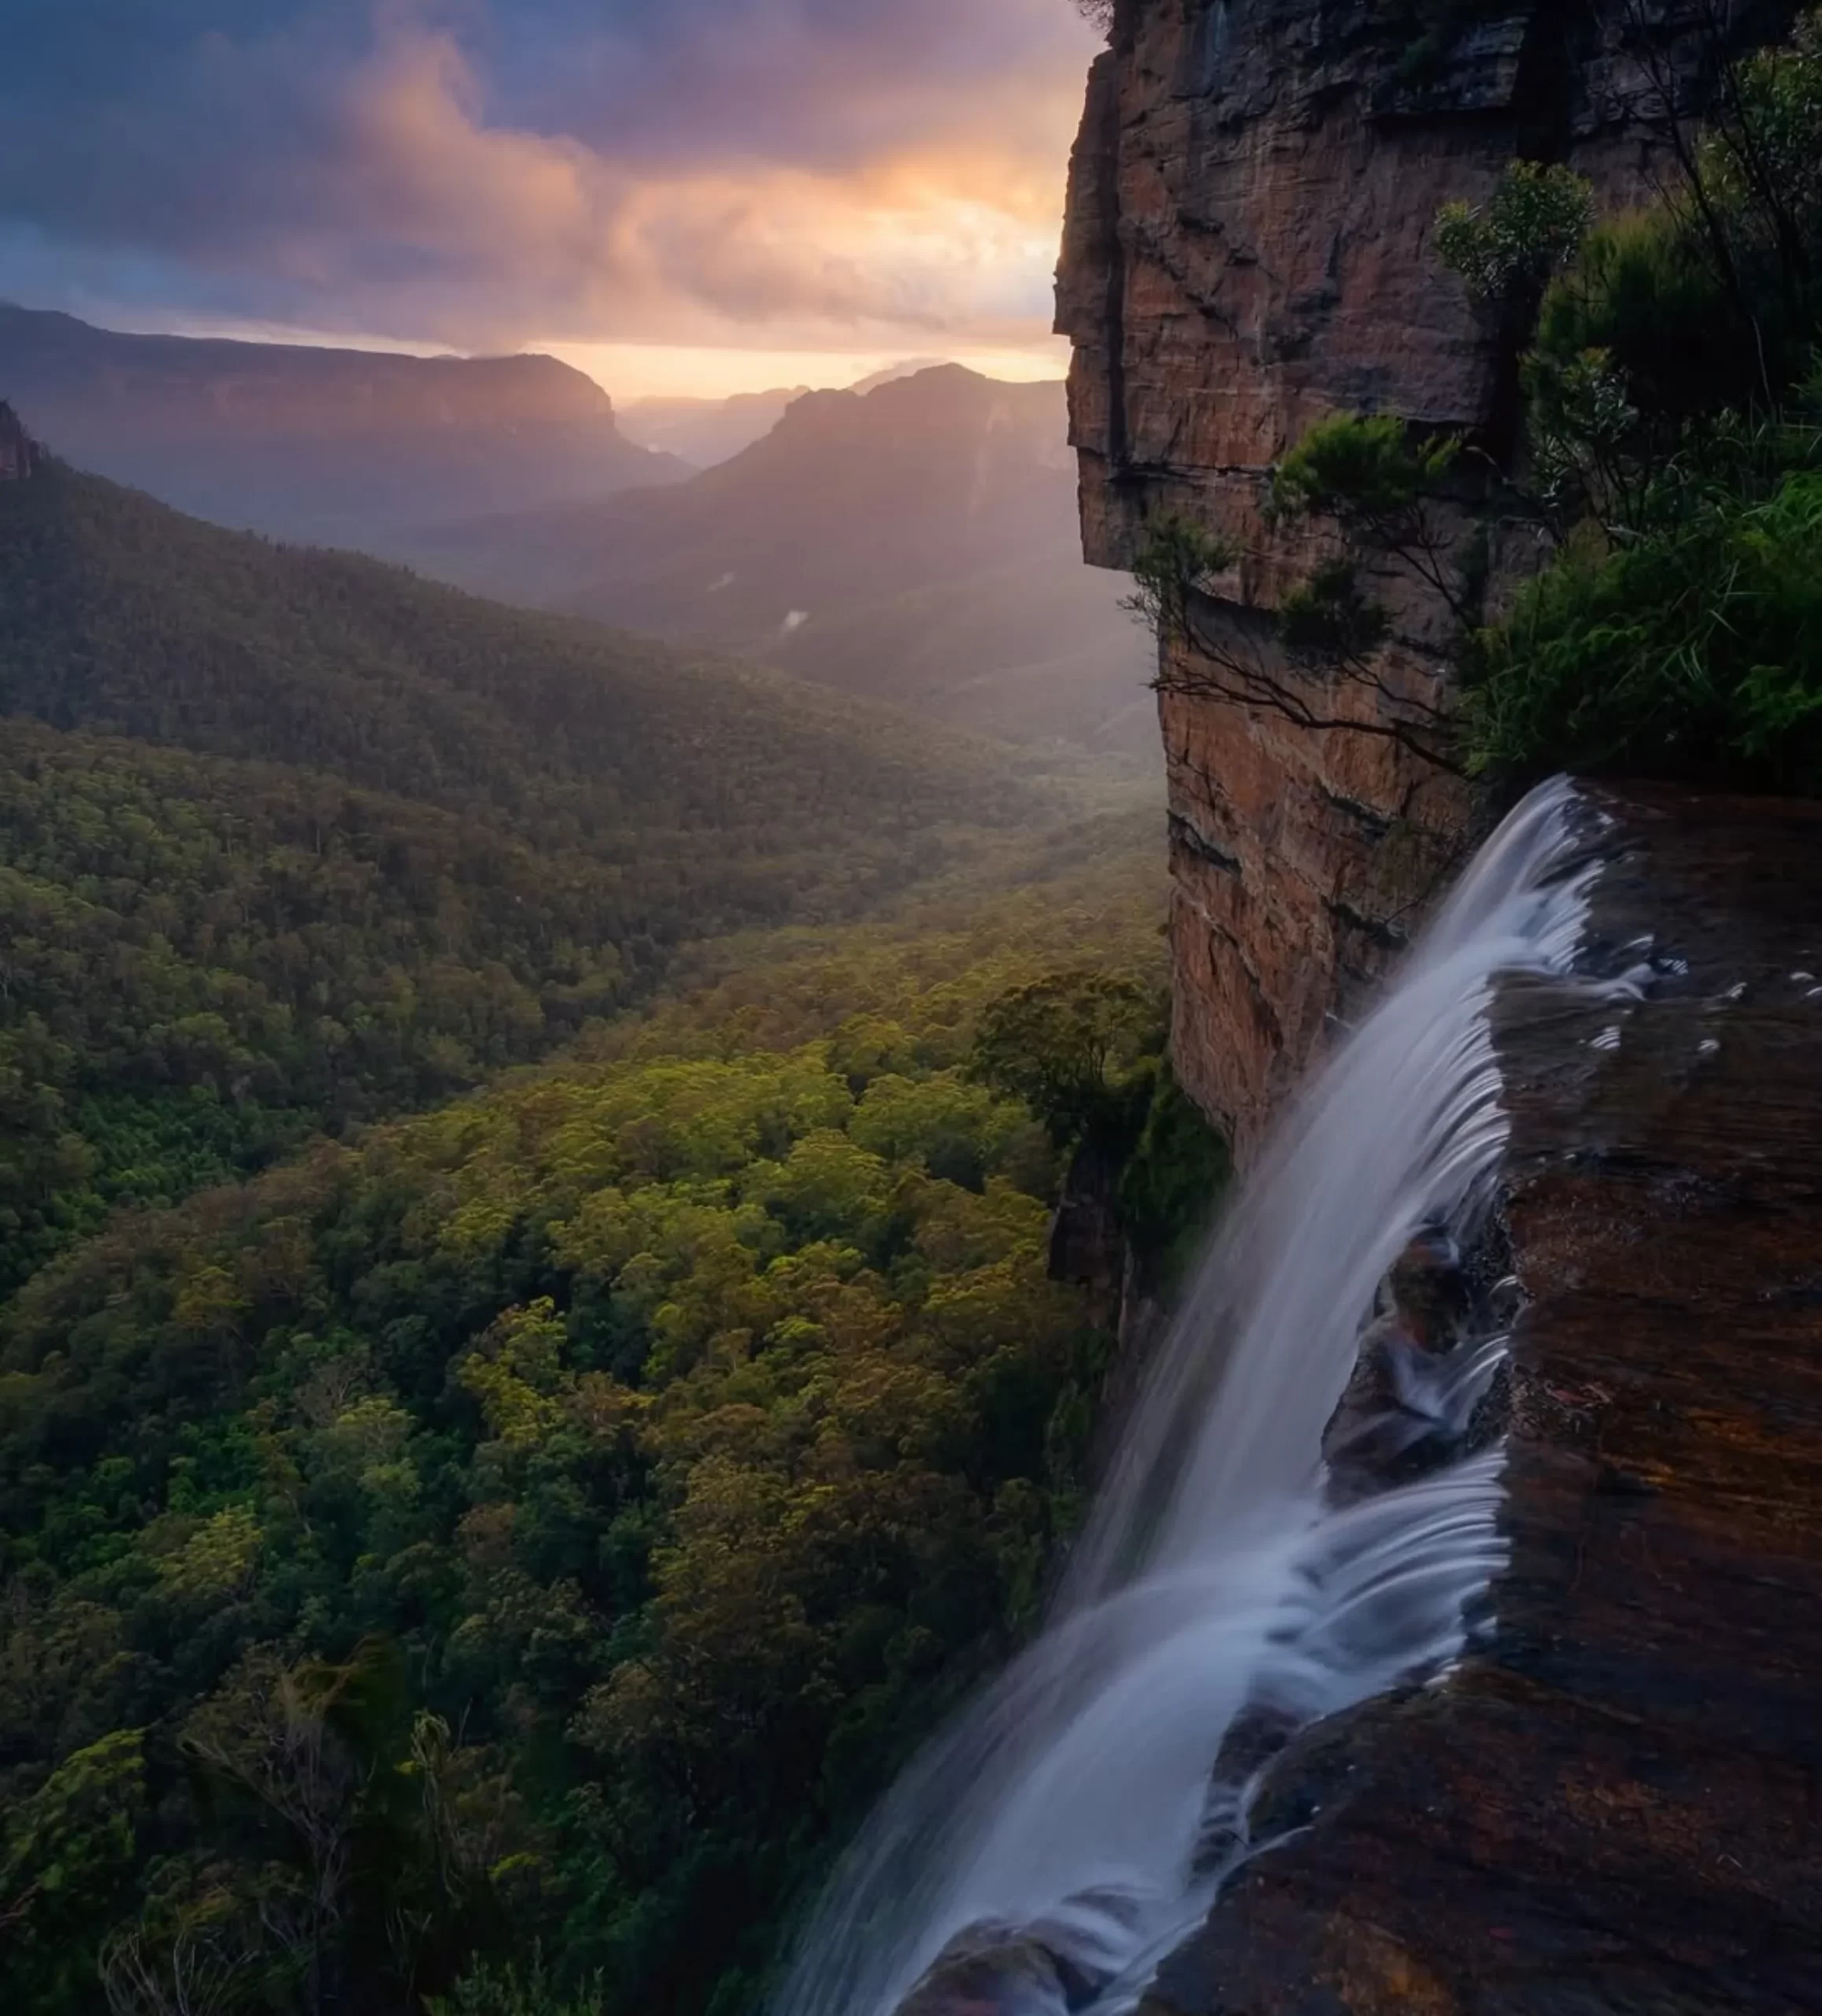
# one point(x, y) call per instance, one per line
point(1377, 484)
point(1177, 561)
point(1507, 248)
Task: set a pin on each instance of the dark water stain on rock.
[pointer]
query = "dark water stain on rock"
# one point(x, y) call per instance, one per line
point(1615, 1804)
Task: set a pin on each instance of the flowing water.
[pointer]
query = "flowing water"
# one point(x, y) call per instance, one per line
point(1232, 1585)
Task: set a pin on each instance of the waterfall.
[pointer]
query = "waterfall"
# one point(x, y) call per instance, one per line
point(1237, 1578)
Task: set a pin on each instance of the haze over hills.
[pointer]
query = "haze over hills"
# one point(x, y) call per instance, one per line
point(1038, 651)
point(288, 838)
point(334, 447)
point(912, 540)
point(917, 543)
point(705, 431)
point(851, 496)
point(124, 617)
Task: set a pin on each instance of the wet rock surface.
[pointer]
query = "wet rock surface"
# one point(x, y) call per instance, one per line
point(1615, 1803)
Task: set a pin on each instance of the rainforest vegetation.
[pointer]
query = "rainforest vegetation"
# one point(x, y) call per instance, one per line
point(547, 1519)
point(476, 1551)
point(289, 840)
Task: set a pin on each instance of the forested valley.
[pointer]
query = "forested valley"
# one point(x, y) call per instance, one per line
point(290, 839)
point(477, 1550)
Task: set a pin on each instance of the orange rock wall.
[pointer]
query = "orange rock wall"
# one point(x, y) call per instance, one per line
point(1248, 247)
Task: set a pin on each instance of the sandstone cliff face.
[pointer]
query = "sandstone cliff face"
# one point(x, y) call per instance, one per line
point(1248, 248)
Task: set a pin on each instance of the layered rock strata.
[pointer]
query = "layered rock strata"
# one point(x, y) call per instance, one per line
point(1249, 247)
point(1612, 1804)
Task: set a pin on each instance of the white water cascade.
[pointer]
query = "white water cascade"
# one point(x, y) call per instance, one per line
point(1077, 1819)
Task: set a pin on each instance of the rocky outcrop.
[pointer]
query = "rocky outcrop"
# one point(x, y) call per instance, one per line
point(1247, 249)
point(1612, 1806)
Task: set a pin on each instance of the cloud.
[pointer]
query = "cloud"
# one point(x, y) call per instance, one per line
point(487, 172)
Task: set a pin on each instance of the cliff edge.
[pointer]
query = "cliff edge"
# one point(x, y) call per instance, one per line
point(1248, 248)
point(1612, 1806)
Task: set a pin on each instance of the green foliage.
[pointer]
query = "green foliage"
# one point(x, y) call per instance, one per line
point(1769, 142)
point(1711, 299)
point(1076, 1048)
point(403, 839)
point(1172, 1183)
point(69, 1852)
point(1379, 482)
point(1532, 224)
point(1759, 169)
point(1584, 433)
point(1674, 632)
point(1330, 615)
point(1370, 472)
point(1177, 561)
point(1694, 651)
point(505, 1990)
point(1645, 300)
point(550, 1518)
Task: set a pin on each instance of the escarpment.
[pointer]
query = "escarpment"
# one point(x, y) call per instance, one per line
point(1248, 248)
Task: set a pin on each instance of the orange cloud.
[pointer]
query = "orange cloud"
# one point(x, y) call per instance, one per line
point(714, 171)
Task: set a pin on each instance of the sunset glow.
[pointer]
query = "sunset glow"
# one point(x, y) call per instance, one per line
point(708, 195)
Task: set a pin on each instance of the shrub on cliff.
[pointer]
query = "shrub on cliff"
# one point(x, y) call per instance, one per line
point(1533, 223)
point(1172, 1183)
point(1672, 456)
point(1694, 652)
point(1177, 561)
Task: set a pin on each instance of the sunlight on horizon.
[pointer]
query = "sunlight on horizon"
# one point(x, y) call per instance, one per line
point(631, 372)
point(628, 372)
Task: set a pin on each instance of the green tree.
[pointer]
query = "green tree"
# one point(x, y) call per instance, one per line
point(69, 1855)
point(1078, 1047)
point(1506, 250)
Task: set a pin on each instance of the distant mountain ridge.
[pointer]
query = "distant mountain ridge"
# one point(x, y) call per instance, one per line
point(915, 543)
point(850, 496)
point(705, 431)
point(335, 447)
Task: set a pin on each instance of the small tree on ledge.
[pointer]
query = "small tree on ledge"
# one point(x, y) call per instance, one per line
point(1377, 483)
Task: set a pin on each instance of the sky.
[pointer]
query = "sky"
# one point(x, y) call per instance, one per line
point(702, 196)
